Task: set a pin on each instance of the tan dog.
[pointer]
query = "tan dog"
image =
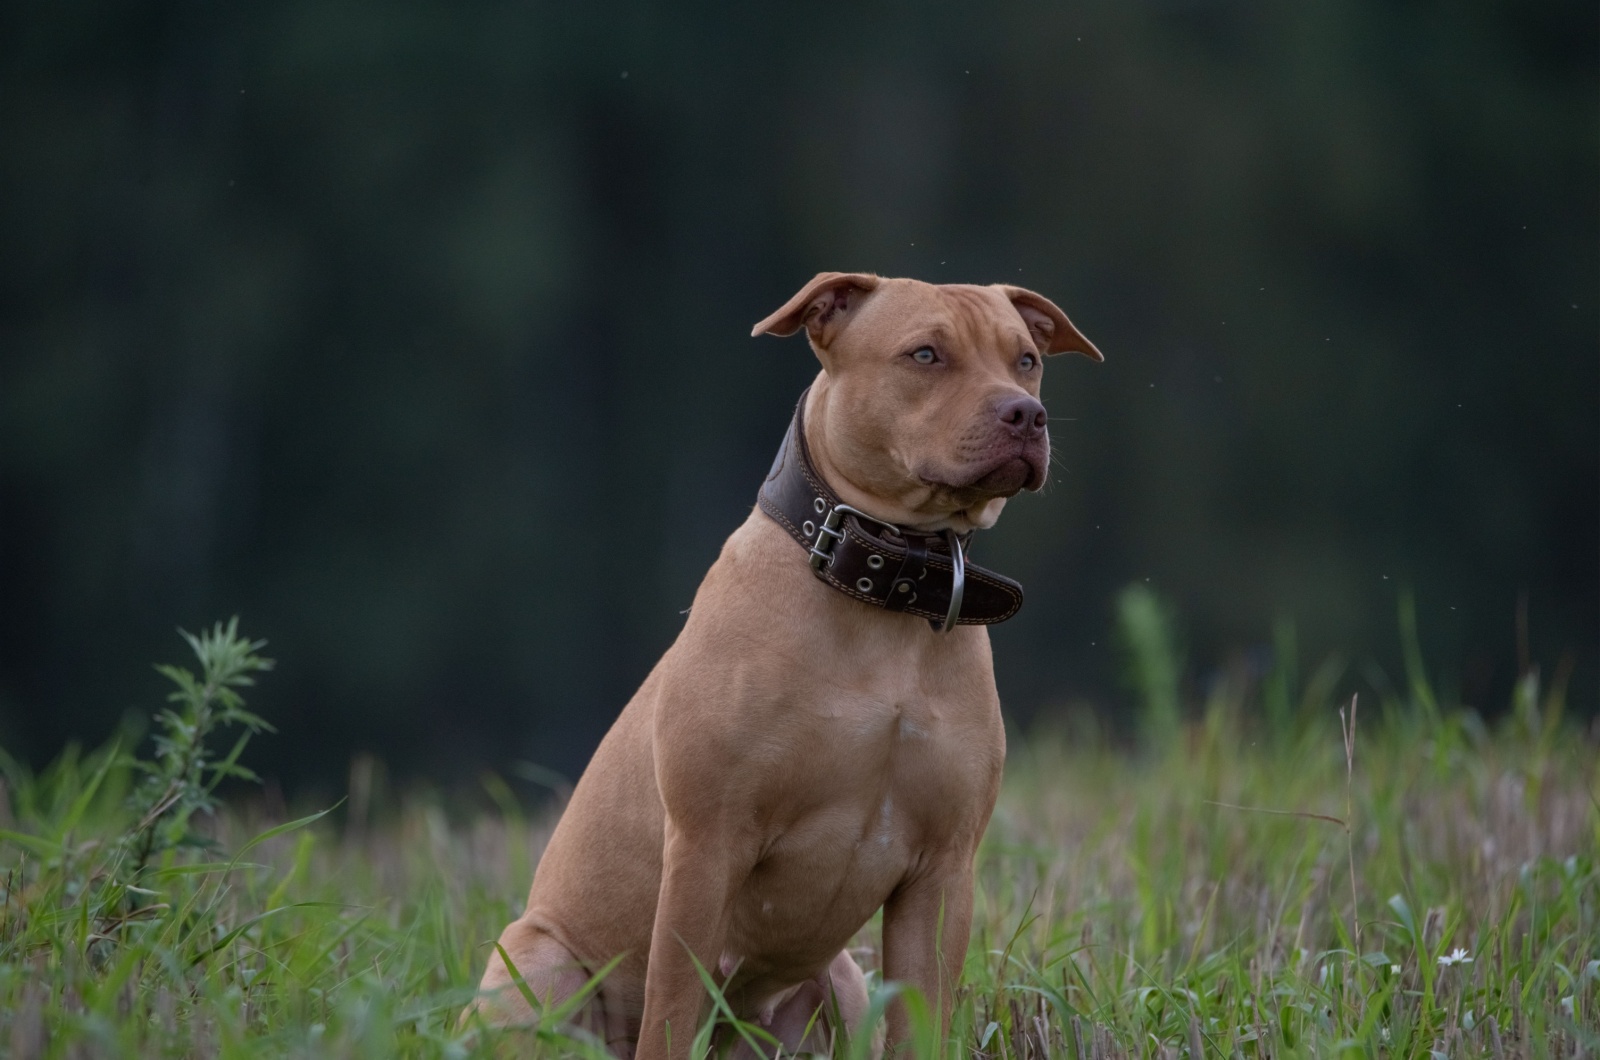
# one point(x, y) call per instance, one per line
point(798, 758)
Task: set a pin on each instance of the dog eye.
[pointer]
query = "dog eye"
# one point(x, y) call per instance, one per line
point(1028, 361)
point(924, 355)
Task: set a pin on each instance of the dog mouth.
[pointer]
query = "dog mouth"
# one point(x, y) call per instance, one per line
point(1004, 475)
point(1009, 478)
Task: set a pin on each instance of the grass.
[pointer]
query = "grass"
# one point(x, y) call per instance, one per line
point(1240, 881)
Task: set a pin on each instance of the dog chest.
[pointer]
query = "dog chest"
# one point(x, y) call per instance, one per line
point(885, 785)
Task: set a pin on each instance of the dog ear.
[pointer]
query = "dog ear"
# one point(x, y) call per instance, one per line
point(820, 306)
point(1051, 329)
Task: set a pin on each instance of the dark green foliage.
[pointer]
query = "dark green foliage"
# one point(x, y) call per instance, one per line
point(392, 327)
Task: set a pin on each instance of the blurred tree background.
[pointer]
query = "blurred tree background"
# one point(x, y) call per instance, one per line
point(388, 326)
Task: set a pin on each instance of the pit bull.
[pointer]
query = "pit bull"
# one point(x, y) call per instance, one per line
point(824, 737)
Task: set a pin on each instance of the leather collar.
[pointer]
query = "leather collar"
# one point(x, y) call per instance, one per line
point(873, 561)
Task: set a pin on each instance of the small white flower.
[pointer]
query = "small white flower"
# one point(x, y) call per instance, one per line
point(1394, 969)
point(1455, 956)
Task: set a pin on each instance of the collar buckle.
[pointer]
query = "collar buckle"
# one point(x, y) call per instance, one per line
point(829, 533)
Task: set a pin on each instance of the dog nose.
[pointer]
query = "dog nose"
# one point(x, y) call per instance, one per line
point(1023, 416)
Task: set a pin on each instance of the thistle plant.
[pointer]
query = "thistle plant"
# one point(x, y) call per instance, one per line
point(182, 778)
point(101, 842)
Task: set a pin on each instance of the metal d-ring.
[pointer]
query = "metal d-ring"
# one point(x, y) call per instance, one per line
point(958, 579)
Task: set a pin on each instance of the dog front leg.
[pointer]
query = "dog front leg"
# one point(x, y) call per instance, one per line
point(927, 923)
point(697, 883)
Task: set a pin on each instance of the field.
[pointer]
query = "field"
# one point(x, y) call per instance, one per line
point(1264, 871)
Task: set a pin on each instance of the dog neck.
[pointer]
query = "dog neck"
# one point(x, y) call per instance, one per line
point(878, 563)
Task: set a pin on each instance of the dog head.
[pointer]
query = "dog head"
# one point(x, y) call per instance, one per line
point(927, 411)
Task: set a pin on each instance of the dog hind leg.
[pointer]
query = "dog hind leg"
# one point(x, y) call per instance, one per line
point(804, 1021)
point(552, 974)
